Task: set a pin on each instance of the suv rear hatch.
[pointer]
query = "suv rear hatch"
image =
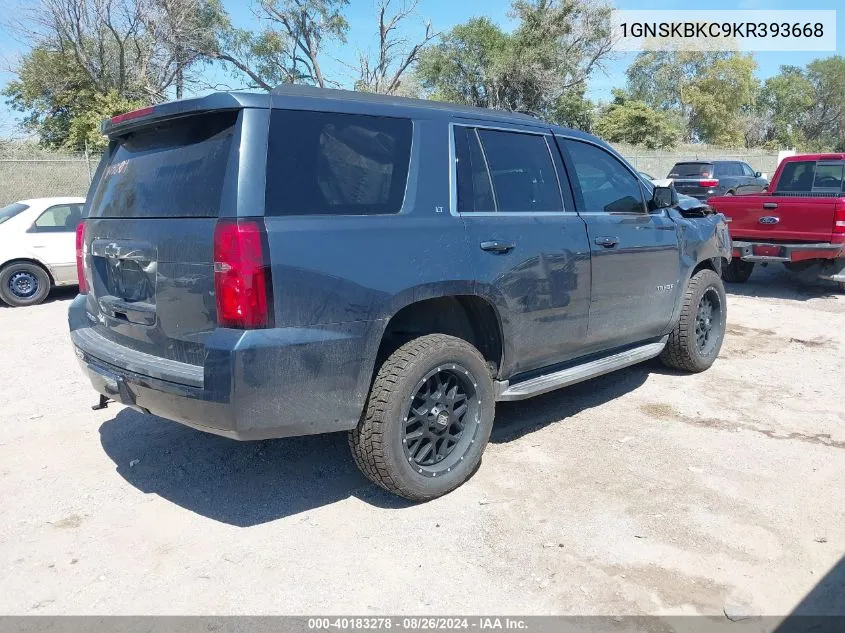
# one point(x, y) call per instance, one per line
point(148, 256)
point(694, 179)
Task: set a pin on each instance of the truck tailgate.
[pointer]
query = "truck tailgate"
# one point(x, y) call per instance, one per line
point(792, 218)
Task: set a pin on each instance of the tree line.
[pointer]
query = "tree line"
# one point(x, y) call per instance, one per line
point(715, 98)
point(91, 59)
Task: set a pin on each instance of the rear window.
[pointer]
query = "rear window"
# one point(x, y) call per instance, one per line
point(324, 163)
point(828, 177)
point(10, 211)
point(691, 170)
point(172, 169)
point(797, 176)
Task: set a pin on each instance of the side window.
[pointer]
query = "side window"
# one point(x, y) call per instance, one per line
point(746, 170)
point(59, 219)
point(325, 163)
point(475, 192)
point(728, 169)
point(522, 172)
point(797, 176)
point(606, 185)
point(828, 176)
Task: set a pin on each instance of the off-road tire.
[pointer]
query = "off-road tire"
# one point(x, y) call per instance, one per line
point(841, 285)
point(34, 273)
point(737, 272)
point(682, 351)
point(377, 442)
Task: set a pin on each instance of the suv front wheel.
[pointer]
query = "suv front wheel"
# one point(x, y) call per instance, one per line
point(696, 339)
point(427, 419)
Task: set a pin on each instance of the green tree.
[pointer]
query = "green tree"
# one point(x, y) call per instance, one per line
point(573, 109)
point(629, 121)
point(465, 66)
point(84, 129)
point(825, 125)
point(708, 90)
point(61, 104)
point(786, 101)
point(537, 68)
point(49, 90)
point(719, 96)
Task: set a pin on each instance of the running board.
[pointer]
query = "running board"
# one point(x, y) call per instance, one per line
point(572, 375)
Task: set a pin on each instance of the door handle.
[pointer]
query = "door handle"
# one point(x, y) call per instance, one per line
point(495, 246)
point(770, 205)
point(607, 242)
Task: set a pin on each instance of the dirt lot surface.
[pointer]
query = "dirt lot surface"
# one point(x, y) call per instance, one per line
point(642, 492)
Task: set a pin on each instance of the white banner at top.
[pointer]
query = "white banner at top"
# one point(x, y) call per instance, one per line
point(715, 30)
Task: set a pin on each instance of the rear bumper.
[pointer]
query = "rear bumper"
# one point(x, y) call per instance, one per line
point(752, 251)
point(253, 385)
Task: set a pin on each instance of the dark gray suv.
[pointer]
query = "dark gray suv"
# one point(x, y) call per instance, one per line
point(307, 261)
point(703, 179)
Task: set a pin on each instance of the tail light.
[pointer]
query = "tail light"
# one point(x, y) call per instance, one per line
point(708, 182)
point(80, 258)
point(839, 218)
point(241, 275)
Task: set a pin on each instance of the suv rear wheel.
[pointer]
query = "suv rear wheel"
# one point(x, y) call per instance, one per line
point(427, 419)
point(695, 341)
point(23, 284)
point(737, 271)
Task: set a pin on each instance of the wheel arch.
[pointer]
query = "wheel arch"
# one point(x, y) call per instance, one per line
point(466, 315)
point(710, 263)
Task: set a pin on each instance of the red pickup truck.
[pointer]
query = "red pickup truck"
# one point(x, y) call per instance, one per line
point(799, 221)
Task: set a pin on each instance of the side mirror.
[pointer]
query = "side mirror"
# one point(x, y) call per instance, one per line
point(758, 174)
point(663, 198)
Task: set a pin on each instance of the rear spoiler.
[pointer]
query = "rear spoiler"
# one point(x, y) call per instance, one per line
point(122, 123)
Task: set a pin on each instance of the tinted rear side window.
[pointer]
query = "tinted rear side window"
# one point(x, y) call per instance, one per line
point(727, 169)
point(797, 176)
point(173, 169)
point(691, 170)
point(474, 190)
point(324, 163)
point(522, 172)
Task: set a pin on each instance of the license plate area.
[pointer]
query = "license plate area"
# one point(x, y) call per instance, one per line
point(767, 250)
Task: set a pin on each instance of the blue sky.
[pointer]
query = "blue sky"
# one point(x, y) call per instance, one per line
point(446, 13)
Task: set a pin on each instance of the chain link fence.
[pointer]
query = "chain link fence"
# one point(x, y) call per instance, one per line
point(35, 173)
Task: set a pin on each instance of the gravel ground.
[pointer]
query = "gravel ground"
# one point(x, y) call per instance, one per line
point(642, 492)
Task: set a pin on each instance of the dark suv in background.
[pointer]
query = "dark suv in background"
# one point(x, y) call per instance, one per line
point(307, 261)
point(702, 179)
